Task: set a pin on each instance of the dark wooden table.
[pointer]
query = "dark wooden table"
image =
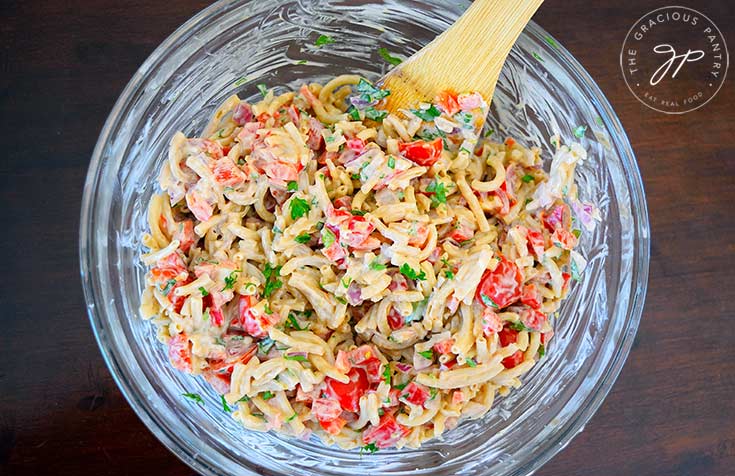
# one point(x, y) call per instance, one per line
point(63, 64)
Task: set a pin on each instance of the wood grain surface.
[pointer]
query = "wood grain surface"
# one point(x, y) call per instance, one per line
point(63, 64)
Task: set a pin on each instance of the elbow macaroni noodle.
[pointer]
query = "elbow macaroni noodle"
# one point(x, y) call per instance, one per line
point(367, 277)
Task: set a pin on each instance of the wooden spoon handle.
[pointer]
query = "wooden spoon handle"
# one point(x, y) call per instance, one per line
point(466, 57)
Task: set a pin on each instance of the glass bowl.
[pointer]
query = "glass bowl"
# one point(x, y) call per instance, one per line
point(231, 47)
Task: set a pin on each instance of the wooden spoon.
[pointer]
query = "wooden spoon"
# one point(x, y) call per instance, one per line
point(467, 57)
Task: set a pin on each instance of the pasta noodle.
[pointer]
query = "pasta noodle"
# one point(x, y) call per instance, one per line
point(369, 278)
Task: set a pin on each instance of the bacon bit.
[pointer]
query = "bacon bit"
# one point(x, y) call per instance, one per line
point(457, 397)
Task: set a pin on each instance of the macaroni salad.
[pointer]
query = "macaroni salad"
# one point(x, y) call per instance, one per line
point(366, 277)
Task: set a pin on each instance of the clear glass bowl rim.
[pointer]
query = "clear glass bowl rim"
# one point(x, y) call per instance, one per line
point(91, 278)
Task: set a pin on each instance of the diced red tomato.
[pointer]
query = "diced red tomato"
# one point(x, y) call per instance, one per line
point(502, 285)
point(211, 148)
point(219, 381)
point(386, 434)
point(509, 142)
point(242, 114)
point(326, 409)
point(512, 360)
point(533, 319)
point(179, 352)
point(168, 267)
point(226, 173)
point(444, 346)
point(449, 365)
point(462, 233)
point(335, 252)
point(566, 277)
point(491, 322)
point(447, 101)
point(356, 144)
point(536, 243)
point(421, 152)
point(348, 394)
point(241, 356)
point(199, 202)
point(342, 361)
point(343, 202)
point(254, 322)
point(421, 233)
point(185, 234)
point(415, 394)
point(564, 238)
point(281, 172)
point(333, 427)
point(504, 201)
point(530, 296)
point(217, 317)
point(507, 336)
point(555, 218)
point(393, 395)
point(351, 230)
point(395, 320)
point(546, 337)
point(178, 301)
